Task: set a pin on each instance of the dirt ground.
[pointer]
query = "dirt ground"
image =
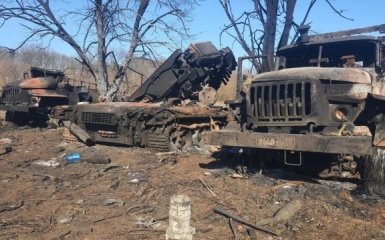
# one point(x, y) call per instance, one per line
point(129, 197)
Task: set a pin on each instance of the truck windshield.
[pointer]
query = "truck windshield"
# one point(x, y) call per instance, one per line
point(352, 53)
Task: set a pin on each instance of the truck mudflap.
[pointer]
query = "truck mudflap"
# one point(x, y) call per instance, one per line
point(357, 145)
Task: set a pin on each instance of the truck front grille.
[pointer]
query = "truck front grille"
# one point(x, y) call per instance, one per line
point(289, 101)
point(11, 94)
point(98, 118)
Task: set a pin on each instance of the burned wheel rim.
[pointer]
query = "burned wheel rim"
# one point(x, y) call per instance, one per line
point(374, 173)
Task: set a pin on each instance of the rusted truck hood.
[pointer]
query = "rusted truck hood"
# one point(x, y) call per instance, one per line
point(48, 93)
point(38, 83)
point(117, 106)
point(352, 75)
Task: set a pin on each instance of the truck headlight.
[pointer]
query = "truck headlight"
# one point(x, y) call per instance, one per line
point(341, 113)
point(35, 101)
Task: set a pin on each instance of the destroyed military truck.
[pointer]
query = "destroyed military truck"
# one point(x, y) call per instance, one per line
point(168, 111)
point(327, 98)
point(31, 99)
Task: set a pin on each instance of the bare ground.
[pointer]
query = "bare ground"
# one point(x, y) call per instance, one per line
point(129, 198)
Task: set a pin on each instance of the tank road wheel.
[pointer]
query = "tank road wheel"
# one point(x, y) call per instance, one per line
point(374, 173)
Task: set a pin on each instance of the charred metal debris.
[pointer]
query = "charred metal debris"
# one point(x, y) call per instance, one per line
point(326, 96)
point(169, 111)
point(32, 98)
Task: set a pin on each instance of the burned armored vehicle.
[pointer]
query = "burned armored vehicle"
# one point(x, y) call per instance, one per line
point(31, 99)
point(328, 98)
point(169, 110)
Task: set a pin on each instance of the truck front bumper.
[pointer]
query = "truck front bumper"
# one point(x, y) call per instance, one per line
point(357, 145)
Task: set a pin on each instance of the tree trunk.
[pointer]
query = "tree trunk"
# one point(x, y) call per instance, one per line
point(290, 5)
point(135, 40)
point(269, 37)
point(101, 70)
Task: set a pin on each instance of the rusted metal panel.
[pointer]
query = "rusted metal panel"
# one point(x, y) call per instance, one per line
point(39, 92)
point(360, 145)
point(47, 93)
point(143, 124)
point(39, 82)
point(196, 110)
point(186, 110)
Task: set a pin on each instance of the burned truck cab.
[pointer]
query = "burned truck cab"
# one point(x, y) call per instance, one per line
point(326, 102)
point(323, 87)
point(30, 100)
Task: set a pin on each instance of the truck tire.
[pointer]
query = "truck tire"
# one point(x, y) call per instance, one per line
point(18, 118)
point(374, 173)
point(262, 159)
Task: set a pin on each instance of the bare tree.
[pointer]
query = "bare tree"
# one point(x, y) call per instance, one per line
point(258, 29)
point(138, 25)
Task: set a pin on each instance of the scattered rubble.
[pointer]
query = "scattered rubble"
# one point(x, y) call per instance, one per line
point(4, 141)
point(112, 201)
point(65, 219)
point(5, 146)
point(236, 175)
point(243, 221)
point(6, 207)
point(285, 213)
point(100, 201)
point(47, 163)
point(96, 158)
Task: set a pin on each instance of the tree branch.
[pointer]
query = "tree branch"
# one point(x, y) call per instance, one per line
point(339, 12)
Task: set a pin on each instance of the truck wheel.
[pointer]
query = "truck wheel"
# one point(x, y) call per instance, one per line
point(17, 118)
point(8, 116)
point(39, 120)
point(261, 159)
point(374, 173)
